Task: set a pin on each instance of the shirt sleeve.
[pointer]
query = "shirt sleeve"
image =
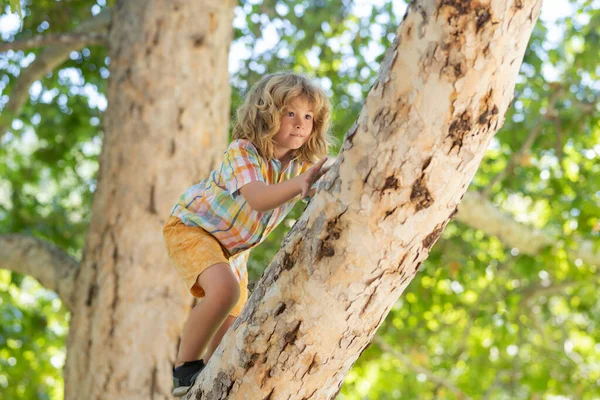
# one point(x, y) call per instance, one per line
point(241, 165)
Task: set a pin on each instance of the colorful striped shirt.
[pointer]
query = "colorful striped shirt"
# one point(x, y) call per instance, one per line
point(216, 204)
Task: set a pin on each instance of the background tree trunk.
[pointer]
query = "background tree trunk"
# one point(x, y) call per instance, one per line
point(165, 126)
point(442, 93)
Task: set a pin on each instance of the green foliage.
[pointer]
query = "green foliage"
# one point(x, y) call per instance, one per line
point(32, 332)
point(485, 320)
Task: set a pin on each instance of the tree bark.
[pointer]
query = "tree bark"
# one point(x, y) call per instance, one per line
point(74, 40)
point(165, 128)
point(478, 212)
point(442, 93)
point(51, 266)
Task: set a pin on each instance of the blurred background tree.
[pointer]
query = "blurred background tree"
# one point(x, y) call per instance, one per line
point(504, 308)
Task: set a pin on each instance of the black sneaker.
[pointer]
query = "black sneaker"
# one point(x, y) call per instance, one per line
point(185, 375)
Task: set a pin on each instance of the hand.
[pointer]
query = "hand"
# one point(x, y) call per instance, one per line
point(313, 175)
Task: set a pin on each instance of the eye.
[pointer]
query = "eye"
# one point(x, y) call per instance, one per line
point(290, 114)
point(309, 117)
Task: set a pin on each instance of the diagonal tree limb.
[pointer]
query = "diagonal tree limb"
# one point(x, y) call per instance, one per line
point(51, 266)
point(403, 168)
point(50, 58)
point(480, 213)
point(70, 39)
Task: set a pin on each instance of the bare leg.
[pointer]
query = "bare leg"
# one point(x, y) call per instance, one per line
point(218, 337)
point(222, 294)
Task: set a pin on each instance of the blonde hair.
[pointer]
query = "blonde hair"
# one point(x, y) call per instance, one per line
point(259, 118)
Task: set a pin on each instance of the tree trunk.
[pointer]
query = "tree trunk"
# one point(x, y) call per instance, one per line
point(165, 127)
point(442, 93)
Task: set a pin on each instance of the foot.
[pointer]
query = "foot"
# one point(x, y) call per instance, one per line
point(185, 375)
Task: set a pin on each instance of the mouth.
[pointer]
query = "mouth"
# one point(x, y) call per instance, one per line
point(296, 135)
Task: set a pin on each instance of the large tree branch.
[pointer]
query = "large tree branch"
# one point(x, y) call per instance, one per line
point(51, 266)
point(442, 92)
point(50, 58)
point(71, 39)
point(480, 213)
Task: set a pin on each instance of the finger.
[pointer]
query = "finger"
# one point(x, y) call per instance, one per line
point(320, 164)
point(315, 170)
point(312, 175)
point(323, 171)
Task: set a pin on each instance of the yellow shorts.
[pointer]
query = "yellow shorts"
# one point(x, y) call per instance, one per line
point(192, 250)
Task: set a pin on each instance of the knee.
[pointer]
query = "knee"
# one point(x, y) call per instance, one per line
point(225, 294)
point(221, 286)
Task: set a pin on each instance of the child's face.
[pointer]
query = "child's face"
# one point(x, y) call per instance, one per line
point(296, 127)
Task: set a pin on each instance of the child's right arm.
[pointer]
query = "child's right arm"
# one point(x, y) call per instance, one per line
point(262, 197)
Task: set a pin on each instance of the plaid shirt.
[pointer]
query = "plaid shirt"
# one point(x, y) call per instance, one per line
point(216, 204)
